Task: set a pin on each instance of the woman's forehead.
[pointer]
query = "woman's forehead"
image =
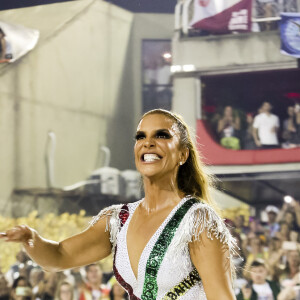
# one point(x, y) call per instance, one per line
point(156, 121)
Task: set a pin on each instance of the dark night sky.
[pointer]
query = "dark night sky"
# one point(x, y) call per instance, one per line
point(147, 6)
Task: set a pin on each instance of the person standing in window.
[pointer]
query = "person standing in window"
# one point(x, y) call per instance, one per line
point(265, 128)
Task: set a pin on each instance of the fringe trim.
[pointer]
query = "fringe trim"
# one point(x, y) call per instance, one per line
point(199, 218)
point(113, 222)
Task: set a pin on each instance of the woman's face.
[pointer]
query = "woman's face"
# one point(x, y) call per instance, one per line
point(65, 292)
point(253, 225)
point(255, 242)
point(228, 111)
point(289, 217)
point(157, 149)
point(21, 283)
point(290, 111)
point(293, 257)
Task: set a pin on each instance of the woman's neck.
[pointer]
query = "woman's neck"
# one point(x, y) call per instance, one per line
point(160, 194)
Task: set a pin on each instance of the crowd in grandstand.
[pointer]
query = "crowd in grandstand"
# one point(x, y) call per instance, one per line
point(267, 265)
point(269, 258)
point(27, 281)
point(261, 131)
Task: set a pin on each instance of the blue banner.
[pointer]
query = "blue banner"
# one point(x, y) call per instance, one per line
point(290, 34)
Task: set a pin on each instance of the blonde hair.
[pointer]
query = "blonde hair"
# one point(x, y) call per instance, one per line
point(192, 177)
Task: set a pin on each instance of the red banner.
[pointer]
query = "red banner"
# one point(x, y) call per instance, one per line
point(225, 16)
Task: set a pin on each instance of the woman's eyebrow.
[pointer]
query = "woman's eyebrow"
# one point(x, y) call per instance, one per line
point(161, 130)
point(140, 132)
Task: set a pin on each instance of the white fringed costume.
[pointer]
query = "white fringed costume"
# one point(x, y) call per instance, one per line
point(165, 270)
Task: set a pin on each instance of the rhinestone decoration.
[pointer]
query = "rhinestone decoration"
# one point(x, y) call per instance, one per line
point(124, 214)
point(159, 250)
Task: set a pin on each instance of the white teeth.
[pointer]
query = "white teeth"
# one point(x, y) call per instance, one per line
point(151, 157)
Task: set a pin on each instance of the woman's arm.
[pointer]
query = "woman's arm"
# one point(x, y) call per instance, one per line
point(84, 248)
point(211, 259)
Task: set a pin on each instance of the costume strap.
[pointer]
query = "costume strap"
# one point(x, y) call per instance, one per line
point(159, 250)
point(181, 289)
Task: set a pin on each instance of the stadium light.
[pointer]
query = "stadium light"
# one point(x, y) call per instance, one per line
point(288, 199)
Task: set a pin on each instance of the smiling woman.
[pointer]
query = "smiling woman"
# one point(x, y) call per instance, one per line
point(170, 245)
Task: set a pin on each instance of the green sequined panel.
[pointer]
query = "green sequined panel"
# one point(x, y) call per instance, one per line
point(159, 250)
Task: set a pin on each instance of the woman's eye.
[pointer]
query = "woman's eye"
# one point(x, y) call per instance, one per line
point(139, 136)
point(163, 135)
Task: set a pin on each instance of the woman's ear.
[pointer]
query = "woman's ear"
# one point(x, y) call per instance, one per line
point(184, 155)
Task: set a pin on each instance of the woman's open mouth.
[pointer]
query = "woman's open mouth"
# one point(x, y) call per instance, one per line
point(150, 157)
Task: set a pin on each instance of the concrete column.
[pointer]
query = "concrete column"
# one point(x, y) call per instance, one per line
point(187, 99)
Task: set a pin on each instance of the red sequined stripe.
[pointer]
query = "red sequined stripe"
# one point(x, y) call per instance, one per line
point(124, 214)
point(122, 282)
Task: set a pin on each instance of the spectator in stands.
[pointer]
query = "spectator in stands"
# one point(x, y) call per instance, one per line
point(290, 213)
point(255, 250)
point(5, 47)
point(265, 127)
point(4, 288)
point(291, 292)
point(117, 293)
point(21, 289)
point(239, 262)
point(248, 140)
point(291, 128)
point(78, 281)
point(93, 289)
point(259, 287)
point(291, 268)
point(228, 128)
point(47, 287)
point(284, 233)
point(266, 9)
point(272, 226)
point(240, 227)
point(22, 267)
point(64, 291)
point(35, 277)
point(254, 227)
point(275, 255)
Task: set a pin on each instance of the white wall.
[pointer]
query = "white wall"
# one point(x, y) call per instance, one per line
point(70, 84)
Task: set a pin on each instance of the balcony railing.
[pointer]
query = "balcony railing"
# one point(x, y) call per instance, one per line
point(265, 15)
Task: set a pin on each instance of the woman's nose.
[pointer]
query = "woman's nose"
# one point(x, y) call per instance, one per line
point(149, 142)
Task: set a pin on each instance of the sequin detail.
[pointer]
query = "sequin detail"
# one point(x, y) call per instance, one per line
point(185, 285)
point(113, 221)
point(122, 282)
point(159, 250)
point(124, 214)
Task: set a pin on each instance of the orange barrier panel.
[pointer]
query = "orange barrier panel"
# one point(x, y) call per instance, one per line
point(214, 154)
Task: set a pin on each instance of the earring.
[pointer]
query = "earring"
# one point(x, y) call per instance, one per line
point(181, 163)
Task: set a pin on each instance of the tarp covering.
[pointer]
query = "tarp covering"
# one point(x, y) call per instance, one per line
point(19, 39)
